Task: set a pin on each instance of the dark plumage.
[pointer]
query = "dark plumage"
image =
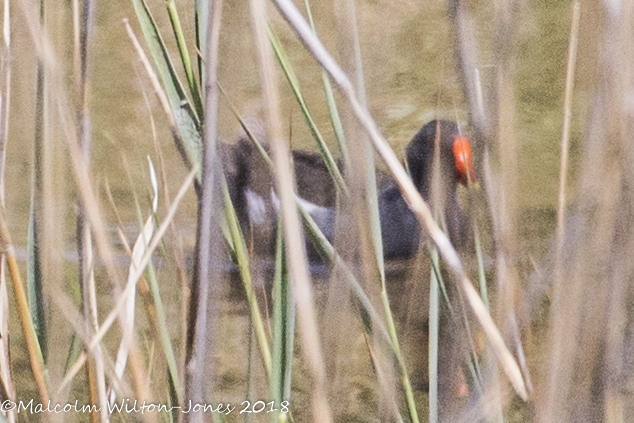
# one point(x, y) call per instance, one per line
point(252, 190)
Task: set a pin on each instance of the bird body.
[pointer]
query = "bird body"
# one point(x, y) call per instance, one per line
point(257, 205)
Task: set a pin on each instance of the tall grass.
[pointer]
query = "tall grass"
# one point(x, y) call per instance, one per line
point(546, 336)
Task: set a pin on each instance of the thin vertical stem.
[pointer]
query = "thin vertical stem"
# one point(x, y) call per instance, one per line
point(558, 352)
point(565, 136)
point(5, 99)
point(207, 279)
point(185, 58)
point(83, 19)
point(434, 321)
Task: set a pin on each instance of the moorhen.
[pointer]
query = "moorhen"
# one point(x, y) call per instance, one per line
point(399, 225)
point(252, 191)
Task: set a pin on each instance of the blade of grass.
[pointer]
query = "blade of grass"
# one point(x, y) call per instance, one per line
point(201, 23)
point(248, 395)
point(162, 332)
point(242, 255)
point(436, 269)
point(335, 119)
point(250, 134)
point(285, 64)
point(283, 331)
point(565, 142)
point(187, 125)
point(8, 385)
point(76, 360)
point(34, 262)
point(484, 293)
point(5, 99)
point(28, 330)
point(184, 54)
point(434, 319)
point(407, 385)
point(490, 365)
point(26, 316)
point(72, 358)
point(34, 274)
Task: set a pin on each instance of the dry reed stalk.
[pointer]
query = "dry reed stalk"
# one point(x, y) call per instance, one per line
point(207, 279)
point(83, 27)
point(5, 99)
point(559, 289)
